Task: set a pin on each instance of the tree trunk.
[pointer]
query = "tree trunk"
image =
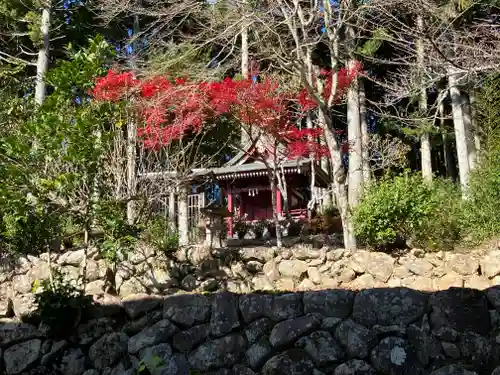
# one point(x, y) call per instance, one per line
point(245, 136)
point(449, 162)
point(94, 197)
point(425, 142)
point(312, 182)
point(339, 180)
point(475, 125)
point(471, 146)
point(119, 172)
point(244, 52)
point(42, 63)
point(131, 170)
point(276, 221)
point(355, 151)
point(460, 130)
point(86, 240)
point(345, 214)
point(132, 146)
point(183, 218)
point(326, 194)
point(171, 211)
point(426, 156)
point(325, 121)
point(365, 152)
point(283, 188)
point(313, 201)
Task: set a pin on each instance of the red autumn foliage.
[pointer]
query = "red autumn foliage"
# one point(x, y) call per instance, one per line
point(114, 86)
point(172, 109)
point(344, 77)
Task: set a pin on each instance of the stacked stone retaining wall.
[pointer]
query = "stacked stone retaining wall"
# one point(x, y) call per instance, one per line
point(344, 313)
point(388, 331)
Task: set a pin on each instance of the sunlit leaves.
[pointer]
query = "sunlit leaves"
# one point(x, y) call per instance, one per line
point(172, 108)
point(49, 162)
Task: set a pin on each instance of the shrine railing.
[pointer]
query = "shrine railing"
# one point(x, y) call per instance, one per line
point(298, 213)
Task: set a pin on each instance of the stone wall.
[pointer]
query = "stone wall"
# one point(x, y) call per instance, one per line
point(298, 268)
point(142, 311)
point(393, 331)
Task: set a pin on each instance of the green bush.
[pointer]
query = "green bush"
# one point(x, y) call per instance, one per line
point(25, 231)
point(326, 221)
point(482, 211)
point(259, 227)
point(482, 206)
point(119, 237)
point(408, 208)
point(159, 232)
point(241, 227)
point(52, 158)
point(59, 303)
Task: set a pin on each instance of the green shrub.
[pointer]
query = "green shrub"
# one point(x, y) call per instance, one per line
point(119, 237)
point(259, 227)
point(241, 227)
point(326, 221)
point(26, 231)
point(271, 228)
point(330, 217)
point(59, 303)
point(482, 206)
point(159, 232)
point(405, 207)
point(150, 365)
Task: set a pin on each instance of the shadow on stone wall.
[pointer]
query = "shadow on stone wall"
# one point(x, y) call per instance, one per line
point(389, 331)
point(300, 267)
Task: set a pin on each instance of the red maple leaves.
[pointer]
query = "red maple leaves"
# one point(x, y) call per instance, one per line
point(344, 78)
point(114, 86)
point(172, 108)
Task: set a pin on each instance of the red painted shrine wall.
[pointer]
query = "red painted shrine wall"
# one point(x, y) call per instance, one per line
point(252, 196)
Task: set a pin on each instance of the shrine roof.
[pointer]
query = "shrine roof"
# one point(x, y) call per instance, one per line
point(248, 170)
point(256, 169)
point(241, 166)
point(243, 155)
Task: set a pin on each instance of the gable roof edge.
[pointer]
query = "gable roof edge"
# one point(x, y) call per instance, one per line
point(242, 156)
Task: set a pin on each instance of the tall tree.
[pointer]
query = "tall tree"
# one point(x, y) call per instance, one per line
point(425, 140)
point(51, 160)
point(42, 63)
point(35, 35)
point(454, 36)
point(293, 49)
point(354, 134)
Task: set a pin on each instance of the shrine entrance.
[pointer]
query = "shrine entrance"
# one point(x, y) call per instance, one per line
point(195, 203)
point(253, 204)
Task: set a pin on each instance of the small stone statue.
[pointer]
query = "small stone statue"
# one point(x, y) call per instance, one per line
point(214, 223)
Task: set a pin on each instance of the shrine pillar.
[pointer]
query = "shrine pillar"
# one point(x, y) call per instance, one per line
point(230, 209)
point(279, 207)
point(183, 219)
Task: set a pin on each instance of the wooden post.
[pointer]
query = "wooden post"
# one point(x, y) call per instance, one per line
point(230, 209)
point(183, 216)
